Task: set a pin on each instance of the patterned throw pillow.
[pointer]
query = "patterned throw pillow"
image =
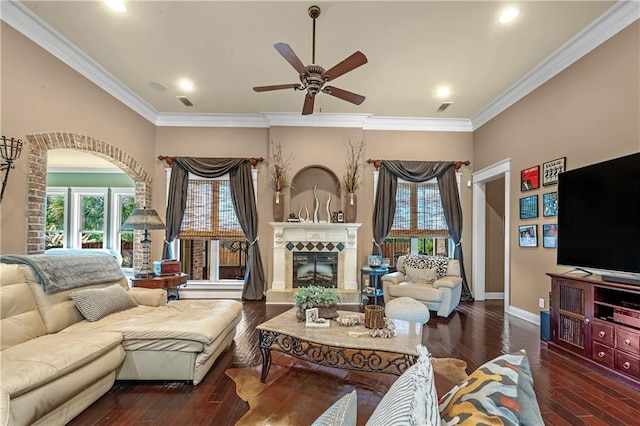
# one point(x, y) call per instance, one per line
point(342, 413)
point(440, 263)
point(420, 275)
point(500, 392)
point(412, 399)
point(96, 303)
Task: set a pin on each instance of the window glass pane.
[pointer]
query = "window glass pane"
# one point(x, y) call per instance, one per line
point(54, 236)
point(92, 221)
point(233, 259)
point(127, 204)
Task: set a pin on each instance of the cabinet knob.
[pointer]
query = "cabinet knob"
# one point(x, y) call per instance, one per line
point(587, 321)
point(627, 342)
point(601, 354)
point(626, 365)
point(601, 334)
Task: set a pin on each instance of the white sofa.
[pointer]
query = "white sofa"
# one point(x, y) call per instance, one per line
point(54, 363)
point(432, 280)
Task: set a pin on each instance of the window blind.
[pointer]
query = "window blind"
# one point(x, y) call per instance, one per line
point(419, 211)
point(209, 213)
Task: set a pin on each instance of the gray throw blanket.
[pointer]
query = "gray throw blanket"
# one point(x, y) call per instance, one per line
point(58, 273)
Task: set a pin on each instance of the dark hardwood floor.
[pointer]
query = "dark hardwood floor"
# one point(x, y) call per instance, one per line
point(569, 392)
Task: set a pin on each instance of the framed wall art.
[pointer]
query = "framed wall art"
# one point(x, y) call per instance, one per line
point(530, 178)
point(528, 235)
point(529, 207)
point(550, 235)
point(550, 204)
point(551, 170)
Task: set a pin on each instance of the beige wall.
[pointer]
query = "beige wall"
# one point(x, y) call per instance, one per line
point(41, 94)
point(494, 244)
point(588, 113)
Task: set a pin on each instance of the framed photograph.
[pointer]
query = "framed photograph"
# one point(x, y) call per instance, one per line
point(528, 235)
point(551, 170)
point(311, 315)
point(550, 235)
point(529, 207)
point(530, 178)
point(550, 204)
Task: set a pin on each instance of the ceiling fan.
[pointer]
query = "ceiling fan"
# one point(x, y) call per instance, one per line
point(313, 77)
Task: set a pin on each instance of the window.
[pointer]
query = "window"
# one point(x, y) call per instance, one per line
point(55, 218)
point(211, 244)
point(122, 204)
point(419, 225)
point(89, 214)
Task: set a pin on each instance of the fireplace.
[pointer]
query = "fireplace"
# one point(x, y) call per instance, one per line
point(313, 268)
point(330, 249)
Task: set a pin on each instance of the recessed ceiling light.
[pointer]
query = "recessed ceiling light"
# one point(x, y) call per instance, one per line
point(508, 14)
point(186, 85)
point(116, 5)
point(443, 92)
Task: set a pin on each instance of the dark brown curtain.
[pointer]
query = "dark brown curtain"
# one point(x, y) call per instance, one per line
point(244, 203)
point(384, 209)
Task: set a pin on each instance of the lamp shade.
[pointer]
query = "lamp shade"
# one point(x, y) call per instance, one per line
point(143, 219)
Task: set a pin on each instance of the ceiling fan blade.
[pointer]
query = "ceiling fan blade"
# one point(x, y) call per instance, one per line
point(287, 53)
point(307, 108)
point(351, 63)
point(345, 95)
point(277, 87)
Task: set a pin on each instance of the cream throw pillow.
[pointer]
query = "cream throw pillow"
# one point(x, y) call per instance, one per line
point(420, 275)
point(97, 303)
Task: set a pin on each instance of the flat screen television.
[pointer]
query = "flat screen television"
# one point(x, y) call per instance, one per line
point(599, 218)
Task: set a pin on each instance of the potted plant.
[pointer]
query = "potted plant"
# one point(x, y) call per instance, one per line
point(351, 179)
point(326, 299)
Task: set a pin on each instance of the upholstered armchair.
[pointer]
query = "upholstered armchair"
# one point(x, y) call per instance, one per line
point(432, 280)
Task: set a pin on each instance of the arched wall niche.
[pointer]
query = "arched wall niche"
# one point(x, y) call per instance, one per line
point(328, 189)
point(40, 144)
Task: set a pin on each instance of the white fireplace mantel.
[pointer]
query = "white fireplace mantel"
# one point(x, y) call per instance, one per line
point(288, 234)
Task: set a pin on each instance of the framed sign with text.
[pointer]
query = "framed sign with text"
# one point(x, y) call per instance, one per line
point(551, 170)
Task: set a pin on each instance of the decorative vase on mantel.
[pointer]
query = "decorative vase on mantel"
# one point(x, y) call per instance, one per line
point(351, 210)
point(278, 207)
point(327, 312)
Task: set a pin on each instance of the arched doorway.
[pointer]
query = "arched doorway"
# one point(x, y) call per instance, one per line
point(39, 145)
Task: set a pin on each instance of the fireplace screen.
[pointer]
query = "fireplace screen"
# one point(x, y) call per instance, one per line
point(315, 269)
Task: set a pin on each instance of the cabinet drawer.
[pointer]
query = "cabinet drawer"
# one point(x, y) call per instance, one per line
point(603, 332)
point(628, 364)
point(603, 354)
point(628, 341)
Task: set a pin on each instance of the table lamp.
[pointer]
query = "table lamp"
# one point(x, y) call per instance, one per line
point(142, 220)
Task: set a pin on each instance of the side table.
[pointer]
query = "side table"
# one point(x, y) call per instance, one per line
point(166, 282)
point(374, 275)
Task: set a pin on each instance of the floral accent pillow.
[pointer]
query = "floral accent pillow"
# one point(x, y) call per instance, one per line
point(440, 263)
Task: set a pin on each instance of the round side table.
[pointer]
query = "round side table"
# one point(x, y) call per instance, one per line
point(374, 275)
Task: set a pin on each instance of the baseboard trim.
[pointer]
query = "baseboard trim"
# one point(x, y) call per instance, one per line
point(525, 315)
point(495, 295)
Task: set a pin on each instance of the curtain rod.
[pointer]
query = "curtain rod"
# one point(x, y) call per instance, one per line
point(252, 160)
point(458, 164)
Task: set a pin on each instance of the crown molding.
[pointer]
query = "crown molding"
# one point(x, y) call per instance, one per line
point(211, 120)
point(618, 17)
point(33, 27)
point(316, 120)
point(419, 124)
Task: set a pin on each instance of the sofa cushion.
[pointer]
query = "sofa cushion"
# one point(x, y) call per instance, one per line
point(412, 399)
point(420, 275)
point(418, 291)
point(440, 263)
point(97, 303)
point(498, 392)
point(342, 413)
point(41, 360)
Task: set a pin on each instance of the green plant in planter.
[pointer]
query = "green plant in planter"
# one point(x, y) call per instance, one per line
point(313, 295)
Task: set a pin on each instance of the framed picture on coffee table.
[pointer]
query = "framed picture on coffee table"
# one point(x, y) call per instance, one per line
point(530, 178)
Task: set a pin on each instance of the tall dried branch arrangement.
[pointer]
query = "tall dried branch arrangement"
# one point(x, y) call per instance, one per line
point(278, 175)
point(351, 179)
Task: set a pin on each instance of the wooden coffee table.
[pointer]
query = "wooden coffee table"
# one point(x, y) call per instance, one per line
point(339, 346)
